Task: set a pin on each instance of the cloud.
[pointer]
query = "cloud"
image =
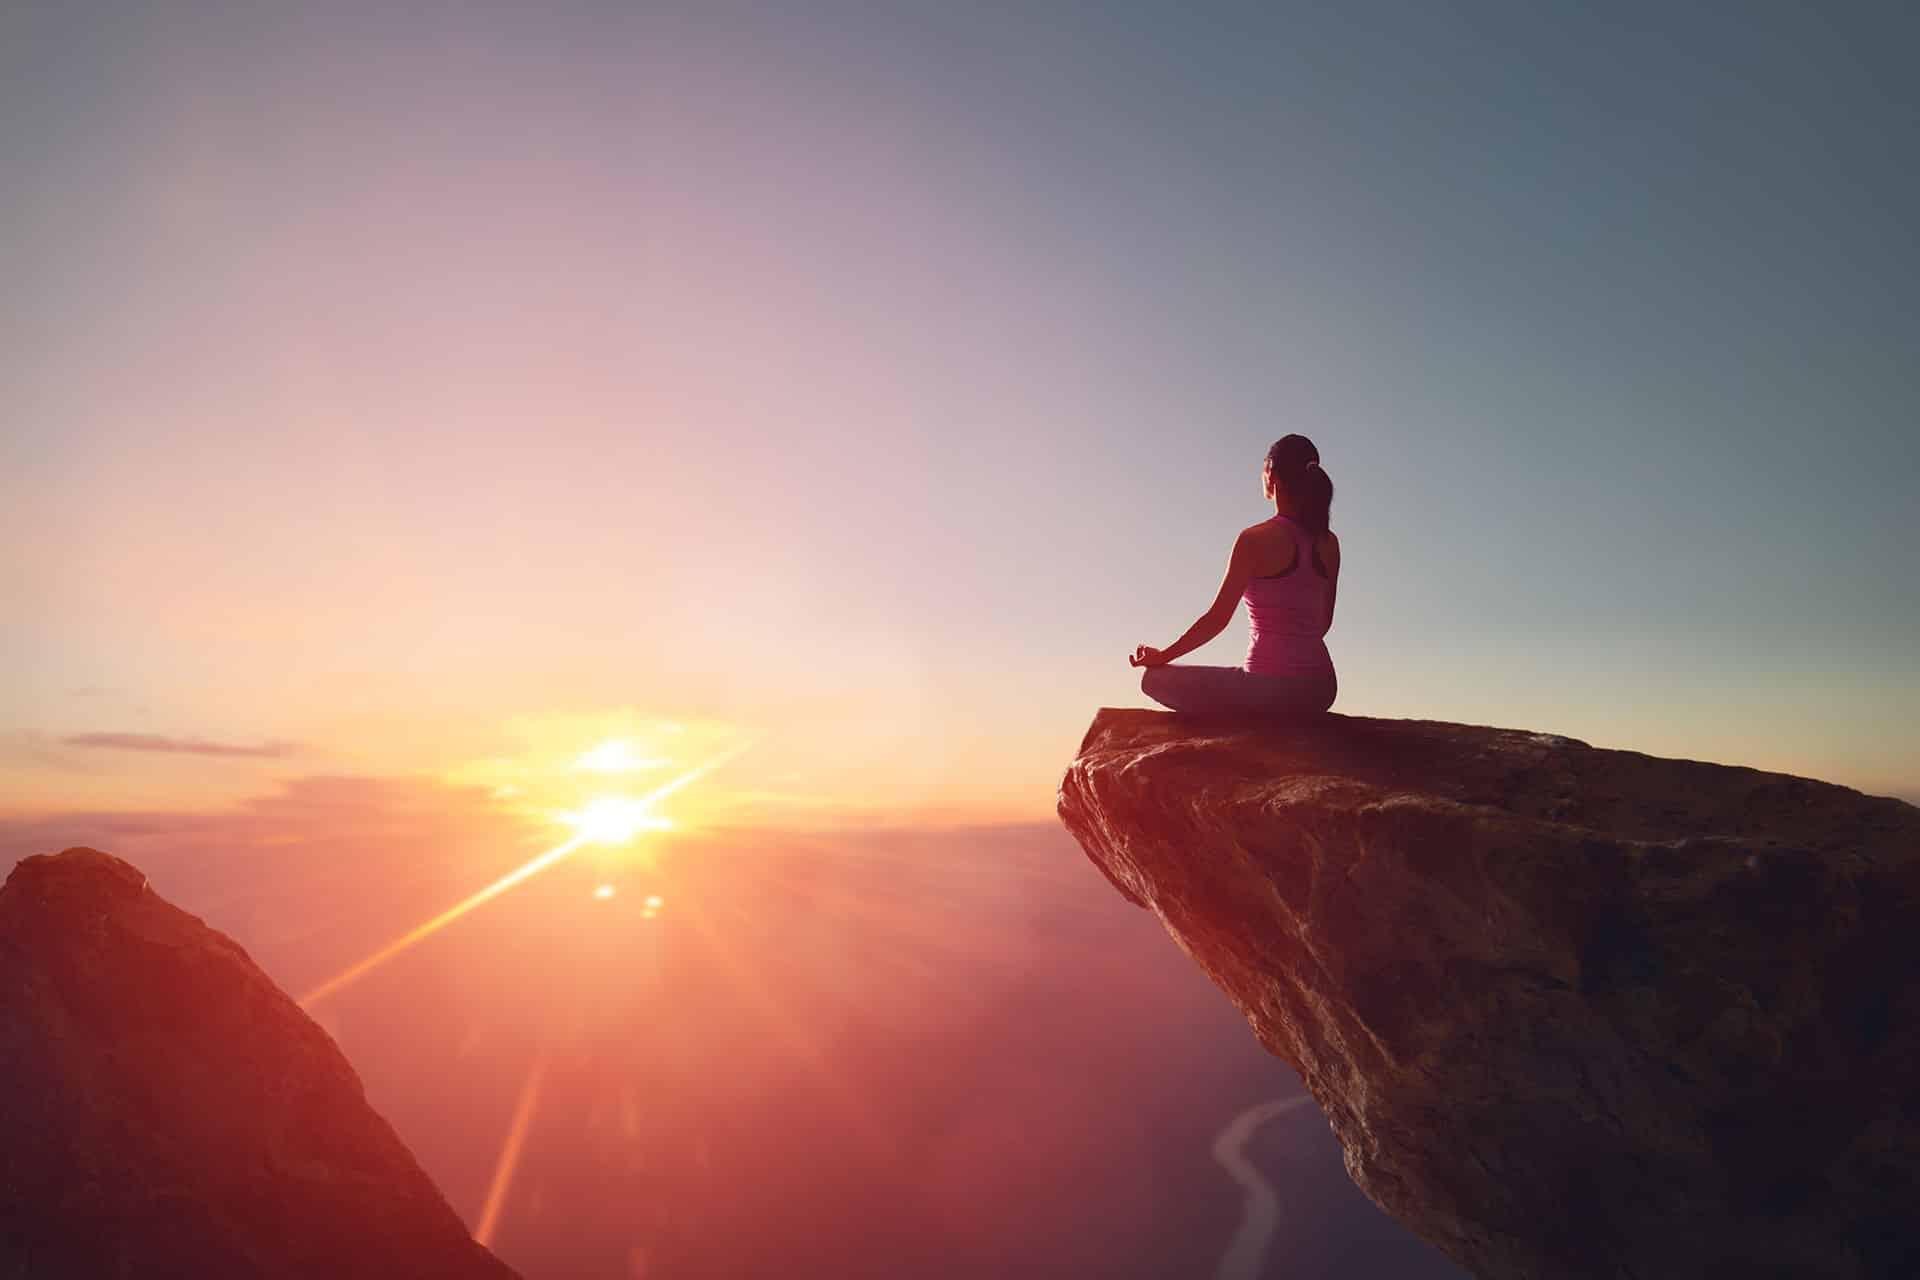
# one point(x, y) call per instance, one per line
point(178, 746)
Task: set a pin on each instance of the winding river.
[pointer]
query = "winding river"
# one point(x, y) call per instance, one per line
point(1247, 1252)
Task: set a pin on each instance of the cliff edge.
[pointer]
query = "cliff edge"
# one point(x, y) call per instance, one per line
point(168, 1111)
point(1569, 1011)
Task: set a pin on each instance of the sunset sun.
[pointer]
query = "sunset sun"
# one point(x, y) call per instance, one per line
point(614, 819)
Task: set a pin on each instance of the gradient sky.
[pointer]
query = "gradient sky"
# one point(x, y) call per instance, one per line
point(432, 390)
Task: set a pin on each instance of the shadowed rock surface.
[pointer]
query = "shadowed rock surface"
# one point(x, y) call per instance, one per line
point(169, 1112)
point(1570, 1012)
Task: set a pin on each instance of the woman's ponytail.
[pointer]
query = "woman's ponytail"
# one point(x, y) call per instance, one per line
point(1312, 494)
point(1295, 464)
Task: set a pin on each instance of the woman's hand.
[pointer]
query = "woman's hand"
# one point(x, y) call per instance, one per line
point(1218, 615)
point(1146, 655)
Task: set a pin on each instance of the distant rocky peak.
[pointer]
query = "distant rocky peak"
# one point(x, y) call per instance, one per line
point(170, 1112)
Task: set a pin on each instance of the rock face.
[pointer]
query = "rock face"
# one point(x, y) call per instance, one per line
point(1570, 1012)
point(167, 1111)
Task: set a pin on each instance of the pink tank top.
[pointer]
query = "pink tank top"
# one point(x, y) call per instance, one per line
point(1287, 614)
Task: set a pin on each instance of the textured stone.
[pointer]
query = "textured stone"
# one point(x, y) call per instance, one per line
point(169, 1112)
point(1570, 1012)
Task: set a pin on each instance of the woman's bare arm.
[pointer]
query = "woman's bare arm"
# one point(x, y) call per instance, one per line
point(1218, 614)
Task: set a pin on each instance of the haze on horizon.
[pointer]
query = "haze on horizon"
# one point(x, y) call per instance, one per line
point(441, 394)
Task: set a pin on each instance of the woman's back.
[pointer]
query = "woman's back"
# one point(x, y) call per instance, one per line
point(1289, 612)
point(1287, 570)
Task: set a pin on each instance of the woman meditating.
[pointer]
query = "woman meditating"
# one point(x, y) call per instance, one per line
point(1286, 569)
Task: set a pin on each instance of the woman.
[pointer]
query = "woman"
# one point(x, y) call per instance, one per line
point(1286, 568)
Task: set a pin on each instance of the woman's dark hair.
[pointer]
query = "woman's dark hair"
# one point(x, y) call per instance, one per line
point(1295, 464)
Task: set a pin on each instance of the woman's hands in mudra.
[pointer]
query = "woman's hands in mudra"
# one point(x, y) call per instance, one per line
point(1145, 655)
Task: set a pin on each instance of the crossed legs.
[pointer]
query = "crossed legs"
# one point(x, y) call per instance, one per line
point(1235, 691)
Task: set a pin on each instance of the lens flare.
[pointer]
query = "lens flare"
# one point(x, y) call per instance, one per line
point(629, 807)
point(355, 972)
point(509, 1160)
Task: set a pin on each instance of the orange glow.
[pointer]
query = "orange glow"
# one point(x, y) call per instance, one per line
point(542, 775)
point(538, 864)
point(502, 1181)
point(604, 892)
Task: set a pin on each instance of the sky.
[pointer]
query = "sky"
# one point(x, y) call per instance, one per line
point(437, 392)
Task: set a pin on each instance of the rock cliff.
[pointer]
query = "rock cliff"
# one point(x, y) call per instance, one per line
point(1570, 1012)
point(170, 1112)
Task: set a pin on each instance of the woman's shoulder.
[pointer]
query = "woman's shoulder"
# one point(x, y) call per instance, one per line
point(1267, 537)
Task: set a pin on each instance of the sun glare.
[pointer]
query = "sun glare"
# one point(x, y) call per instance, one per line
point(604, 820)
point(616, 755)
point(614, 819)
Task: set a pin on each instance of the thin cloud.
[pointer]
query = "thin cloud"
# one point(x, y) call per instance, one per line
point(178, 746)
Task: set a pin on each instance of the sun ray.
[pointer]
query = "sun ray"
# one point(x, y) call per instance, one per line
point(509, 1160)
point(539, 863)
point(418, 933)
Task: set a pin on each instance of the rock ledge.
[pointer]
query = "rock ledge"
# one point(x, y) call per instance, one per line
point(1570, 1012)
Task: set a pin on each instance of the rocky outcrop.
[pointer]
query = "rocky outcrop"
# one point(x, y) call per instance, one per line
point(169, 1112)
point(1570, 1012)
